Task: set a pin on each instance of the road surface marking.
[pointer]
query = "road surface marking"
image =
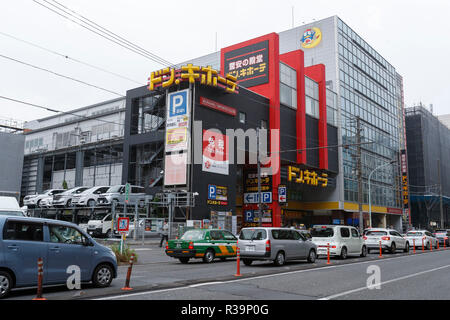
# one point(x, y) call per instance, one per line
point(382, 283)
point(253, 278)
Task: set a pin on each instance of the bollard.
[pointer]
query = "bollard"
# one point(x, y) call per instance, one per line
point(431, 245)
point(438, 244)
point(328, 253)
point(445, 239)
point(381, 250)
point(238, 267)
point(40, 276)
point(127, 282)
point(414, 245)
point(423, 249)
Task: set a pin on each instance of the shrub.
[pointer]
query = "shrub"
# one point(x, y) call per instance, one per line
point(126, 253)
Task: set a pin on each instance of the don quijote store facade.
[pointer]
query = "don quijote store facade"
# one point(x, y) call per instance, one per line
point(184, 133)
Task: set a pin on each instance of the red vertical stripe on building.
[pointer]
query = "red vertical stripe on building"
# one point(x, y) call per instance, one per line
point(295, 59)
point(317, 73)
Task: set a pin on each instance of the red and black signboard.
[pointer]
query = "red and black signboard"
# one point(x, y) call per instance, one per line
point(250, 64)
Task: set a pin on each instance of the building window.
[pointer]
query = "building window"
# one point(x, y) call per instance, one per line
point(242, 117)
point(288, 86)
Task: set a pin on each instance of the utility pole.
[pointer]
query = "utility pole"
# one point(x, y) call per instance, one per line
point(260, 215)
point(359, 174)
point(440, 193)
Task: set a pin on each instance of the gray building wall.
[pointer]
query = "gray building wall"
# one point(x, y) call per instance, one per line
point(11, 161)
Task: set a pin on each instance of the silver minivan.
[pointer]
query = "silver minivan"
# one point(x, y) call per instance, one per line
point(275, 244)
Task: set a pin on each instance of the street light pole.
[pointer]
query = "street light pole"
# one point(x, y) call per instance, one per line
point(370, 196)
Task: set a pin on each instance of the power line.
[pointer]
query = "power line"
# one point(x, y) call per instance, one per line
point(58, 111)
point(105, 33)
point(69, 58)
point(110, 32)
point(59, 74)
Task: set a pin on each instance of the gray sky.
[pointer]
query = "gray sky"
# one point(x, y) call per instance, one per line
point(412, 35)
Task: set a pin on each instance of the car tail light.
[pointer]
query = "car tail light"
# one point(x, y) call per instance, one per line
point(386, 238)
point(333, 247)
point(191, 245)
point(267, 245)
point(167, 246)
point(365, 238)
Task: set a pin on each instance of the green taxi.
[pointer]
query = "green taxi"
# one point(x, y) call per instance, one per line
point(206, 244)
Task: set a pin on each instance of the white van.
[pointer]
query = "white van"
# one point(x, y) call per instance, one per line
point(100, 225)
point(342, 240)
point(10, 207)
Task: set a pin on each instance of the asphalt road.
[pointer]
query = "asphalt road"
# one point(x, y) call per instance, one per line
point(156, 276)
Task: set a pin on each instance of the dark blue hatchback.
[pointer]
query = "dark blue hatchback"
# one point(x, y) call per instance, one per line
point(60, 244)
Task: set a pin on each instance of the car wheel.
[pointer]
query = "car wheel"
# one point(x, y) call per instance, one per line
point(312, 256)
point(247, 262)
point(436, 245)
point(279, 259)
point(364, 251)
point(184, 260)
point(209, 256)
point(5, 284)
point(343, 253)
point(69, 203)
point(109, 234)
point(91, 203)
point(38, 204)
point(103, 276)
point(428, 246)
point(407, 247)
point(393, 248)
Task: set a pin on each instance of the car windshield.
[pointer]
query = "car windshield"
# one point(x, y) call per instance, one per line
point(322, 232)
point(11, 213)
point(253, 234)
point(99, 216)
point(414, 234)
point(376, 233)
point(193, 235)
point(114, 189)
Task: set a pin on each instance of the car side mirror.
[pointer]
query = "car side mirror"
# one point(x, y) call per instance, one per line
point(87, 242)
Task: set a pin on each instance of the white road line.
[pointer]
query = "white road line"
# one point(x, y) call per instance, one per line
point(142, 249)
point(256, 277)
point(382, 283)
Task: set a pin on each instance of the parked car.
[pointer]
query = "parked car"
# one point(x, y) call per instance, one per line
point(46, 202)
point(61, 244)
point(206, 244)
point(100, 225)
point(89, 197)
point(117, 194)
point(275, 244)
point(415, 237)
point(342, 241)
point(64, 199)
point(443, 236)
point(390, 239)
point(10, 207)
point(33, 201)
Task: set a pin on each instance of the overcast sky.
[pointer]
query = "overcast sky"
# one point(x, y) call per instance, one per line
point(413, 35)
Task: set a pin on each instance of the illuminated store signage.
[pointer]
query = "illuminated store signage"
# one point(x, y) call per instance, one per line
point(205, 75)
point(309, 177)
point(249, 65)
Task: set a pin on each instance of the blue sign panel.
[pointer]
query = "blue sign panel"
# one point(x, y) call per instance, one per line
point(212, 190)
point(178, 103)
point(249, 216)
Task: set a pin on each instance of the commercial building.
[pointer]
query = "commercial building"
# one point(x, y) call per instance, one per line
point(428, 142)
point(369, 88)
point(82, 147)
point(312, 83)
point(12, 143)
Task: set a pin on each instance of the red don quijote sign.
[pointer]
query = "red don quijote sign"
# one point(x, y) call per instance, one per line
point(215, 152)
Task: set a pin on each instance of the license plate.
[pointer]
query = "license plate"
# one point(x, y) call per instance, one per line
point(249, 248)
point(178, 245)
